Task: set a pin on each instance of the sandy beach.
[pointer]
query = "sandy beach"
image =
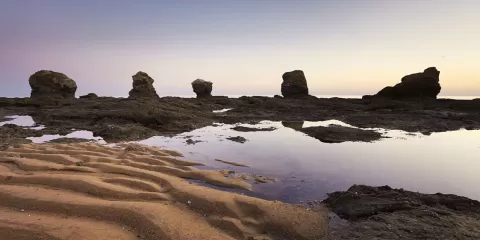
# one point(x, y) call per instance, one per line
point(90, 191)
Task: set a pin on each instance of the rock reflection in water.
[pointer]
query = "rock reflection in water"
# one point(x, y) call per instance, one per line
point(308, 169)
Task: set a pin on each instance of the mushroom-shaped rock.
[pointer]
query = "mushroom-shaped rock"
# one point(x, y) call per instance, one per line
point(48, 84)
point(202, 88)
point(425, 84)
point(294, 84)
point(142, 86)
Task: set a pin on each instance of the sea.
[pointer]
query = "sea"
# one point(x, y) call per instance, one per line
point(330, 96)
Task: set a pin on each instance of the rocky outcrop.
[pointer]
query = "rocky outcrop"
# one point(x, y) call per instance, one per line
point(142, 87)
point(295, 125)
point(253, 129)
point(387, 213)
point(339, 134)
point(278, 97)
point(89, 96)
point(202, 88)
point(294, 84)
point(47, 84)
point(418, 85)
point(13, 134)
point(238, 139)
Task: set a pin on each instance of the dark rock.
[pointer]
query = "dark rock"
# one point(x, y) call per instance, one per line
point(192, 142)
point(294, 84)
point(251, 100)
point(278, 97)
point(221, 100)
point(250, 129)
point(167, 116)
point(142, 87)
point(339, 134)
point(47, 85)
point(202, 88)
point(18, 102)
point(418, 85)
point(295, 125)
point(13, 134)
point(128, 132)
point(238, 139)
point(89, 96)
point(367, 97)
point(386, 213)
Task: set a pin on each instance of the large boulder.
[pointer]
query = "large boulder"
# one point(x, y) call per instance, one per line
point(142, 86)
point(202, 88)
point(47, 84)
point(418, 85)
point(294, 84)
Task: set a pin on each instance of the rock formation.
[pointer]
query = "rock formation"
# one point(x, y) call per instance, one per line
point(382, 213)
point(89, 96)
point(418, 85)
point(278, 97)
point(202, 88)
point(142, 86)
point(47, 84)
point(294, 84)
point(339, 134)
point(295, 125)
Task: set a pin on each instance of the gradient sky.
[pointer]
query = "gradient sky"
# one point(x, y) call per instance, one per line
point(345, 47)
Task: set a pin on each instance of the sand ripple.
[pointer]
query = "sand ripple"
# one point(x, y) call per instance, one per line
point(89, 191)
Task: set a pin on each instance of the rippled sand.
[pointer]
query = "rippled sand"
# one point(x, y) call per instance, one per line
point(89, 191)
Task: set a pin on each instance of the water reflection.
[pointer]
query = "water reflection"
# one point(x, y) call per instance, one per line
point(23, 121)
point(222, 110)
point(28, 122)
point(82, 134)
point(308, 169)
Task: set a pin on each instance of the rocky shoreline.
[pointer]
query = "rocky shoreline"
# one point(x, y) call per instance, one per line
point(410, 105)
point(381, 213)
point(366, 212)
point(123, 119)
point(386, 213)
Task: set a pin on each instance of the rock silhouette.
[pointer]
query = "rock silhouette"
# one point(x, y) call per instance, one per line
point(48, 84)
point(294, 84)
point(425, 84)
point(277, 96)
point(89, 96)
point(142, 86)
point(202, 88)
point(381, 213)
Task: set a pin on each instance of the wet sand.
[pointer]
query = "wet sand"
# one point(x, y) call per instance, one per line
point(90, 191)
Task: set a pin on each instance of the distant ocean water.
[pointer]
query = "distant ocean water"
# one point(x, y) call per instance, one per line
point(459, 97)
point(342, 96)
point(319, 96)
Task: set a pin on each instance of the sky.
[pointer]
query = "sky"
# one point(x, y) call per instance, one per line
point(345, 47)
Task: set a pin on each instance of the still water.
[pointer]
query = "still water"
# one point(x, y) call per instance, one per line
point(308, 169)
